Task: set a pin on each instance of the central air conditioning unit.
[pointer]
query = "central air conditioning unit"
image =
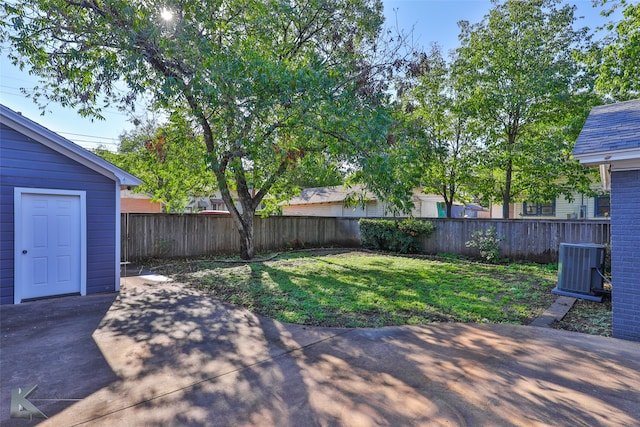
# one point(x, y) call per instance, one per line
point(580, 271)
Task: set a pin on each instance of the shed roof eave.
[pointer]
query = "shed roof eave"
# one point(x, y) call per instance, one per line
point(62, 145)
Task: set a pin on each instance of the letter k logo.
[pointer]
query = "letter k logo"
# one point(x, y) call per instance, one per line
point(21, 407)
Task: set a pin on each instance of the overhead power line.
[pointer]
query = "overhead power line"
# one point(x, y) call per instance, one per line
point(88, 136)
point(84, 141)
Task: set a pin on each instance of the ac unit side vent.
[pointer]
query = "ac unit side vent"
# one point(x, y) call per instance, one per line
point(579, 270)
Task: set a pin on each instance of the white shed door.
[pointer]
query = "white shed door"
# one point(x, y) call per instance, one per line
point(48, 245)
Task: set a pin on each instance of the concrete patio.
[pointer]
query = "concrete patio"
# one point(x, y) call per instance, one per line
point(162, 354)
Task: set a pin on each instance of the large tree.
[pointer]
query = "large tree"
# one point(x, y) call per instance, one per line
point(441, 129)
point(616, 58)
point(531, 95)
point(265, 83)
point(169, 158)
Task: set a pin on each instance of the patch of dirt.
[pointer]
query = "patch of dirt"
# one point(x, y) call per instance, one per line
point(588, 317)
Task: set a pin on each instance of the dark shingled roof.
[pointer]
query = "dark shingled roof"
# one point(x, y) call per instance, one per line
point(609, 128)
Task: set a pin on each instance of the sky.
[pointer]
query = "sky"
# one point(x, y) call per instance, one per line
point(428, 20)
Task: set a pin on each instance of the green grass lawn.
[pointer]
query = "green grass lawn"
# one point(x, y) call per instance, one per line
point(356, 289)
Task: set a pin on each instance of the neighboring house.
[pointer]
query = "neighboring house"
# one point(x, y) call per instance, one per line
point(580, 207)
point(611, 137)
point(131, 202)
point(330, 202)
point(59, 214)
point(212, 203)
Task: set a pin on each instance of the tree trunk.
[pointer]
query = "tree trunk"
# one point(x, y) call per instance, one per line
point(506, 197)
point(512, 133)
point(449, 204)
point(243, 221)
point(247, 244)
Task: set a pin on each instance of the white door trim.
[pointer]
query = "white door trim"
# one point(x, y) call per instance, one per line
point(118, 234)
point(17, 240)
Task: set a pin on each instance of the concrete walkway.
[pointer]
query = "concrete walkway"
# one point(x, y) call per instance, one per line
point(161, 354)
point(557, 311)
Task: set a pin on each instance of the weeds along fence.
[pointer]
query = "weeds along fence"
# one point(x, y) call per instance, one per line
point(189, 235)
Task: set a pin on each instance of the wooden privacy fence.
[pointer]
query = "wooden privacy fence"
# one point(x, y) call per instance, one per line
point(532, 240)
point(177, 235)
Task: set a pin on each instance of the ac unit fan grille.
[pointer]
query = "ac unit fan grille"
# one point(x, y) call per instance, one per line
point(579, 268)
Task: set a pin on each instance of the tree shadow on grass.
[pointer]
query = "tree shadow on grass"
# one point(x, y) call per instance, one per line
point(380, 291)
point(374, 295)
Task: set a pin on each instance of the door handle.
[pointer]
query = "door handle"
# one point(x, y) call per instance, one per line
point(24, 251)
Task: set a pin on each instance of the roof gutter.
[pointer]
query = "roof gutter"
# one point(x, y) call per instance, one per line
point(625, 159)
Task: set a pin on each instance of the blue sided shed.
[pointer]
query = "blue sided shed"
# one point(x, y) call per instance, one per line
point(59, 214)
point(610, 138)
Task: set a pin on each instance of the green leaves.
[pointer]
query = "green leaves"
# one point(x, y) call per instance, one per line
point(440, 131)
point(527, 89)
point(488, 244)
point(264, 84)
point(169, 159)
point(616, 59)
point(391, 235)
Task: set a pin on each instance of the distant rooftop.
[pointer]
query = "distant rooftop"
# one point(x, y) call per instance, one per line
point(327, 195)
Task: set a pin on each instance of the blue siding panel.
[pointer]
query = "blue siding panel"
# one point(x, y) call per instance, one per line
point(625, 256)
point(27, 163)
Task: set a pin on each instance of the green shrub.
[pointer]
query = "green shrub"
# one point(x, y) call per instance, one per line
point(488, 243)
point(393, 235)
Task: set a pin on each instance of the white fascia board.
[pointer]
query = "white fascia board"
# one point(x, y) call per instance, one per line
point(65, 147)
point(628, 157)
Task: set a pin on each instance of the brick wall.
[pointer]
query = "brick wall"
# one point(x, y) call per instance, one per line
point(131, 205)
point(625, 256)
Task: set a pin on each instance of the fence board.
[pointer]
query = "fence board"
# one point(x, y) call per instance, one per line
point(189, 235)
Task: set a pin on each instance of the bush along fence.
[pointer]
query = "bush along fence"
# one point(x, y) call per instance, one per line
point(192, 235)
point(395, 236)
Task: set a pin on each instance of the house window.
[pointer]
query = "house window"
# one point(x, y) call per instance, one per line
point(603, 206)
point(539, 209)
